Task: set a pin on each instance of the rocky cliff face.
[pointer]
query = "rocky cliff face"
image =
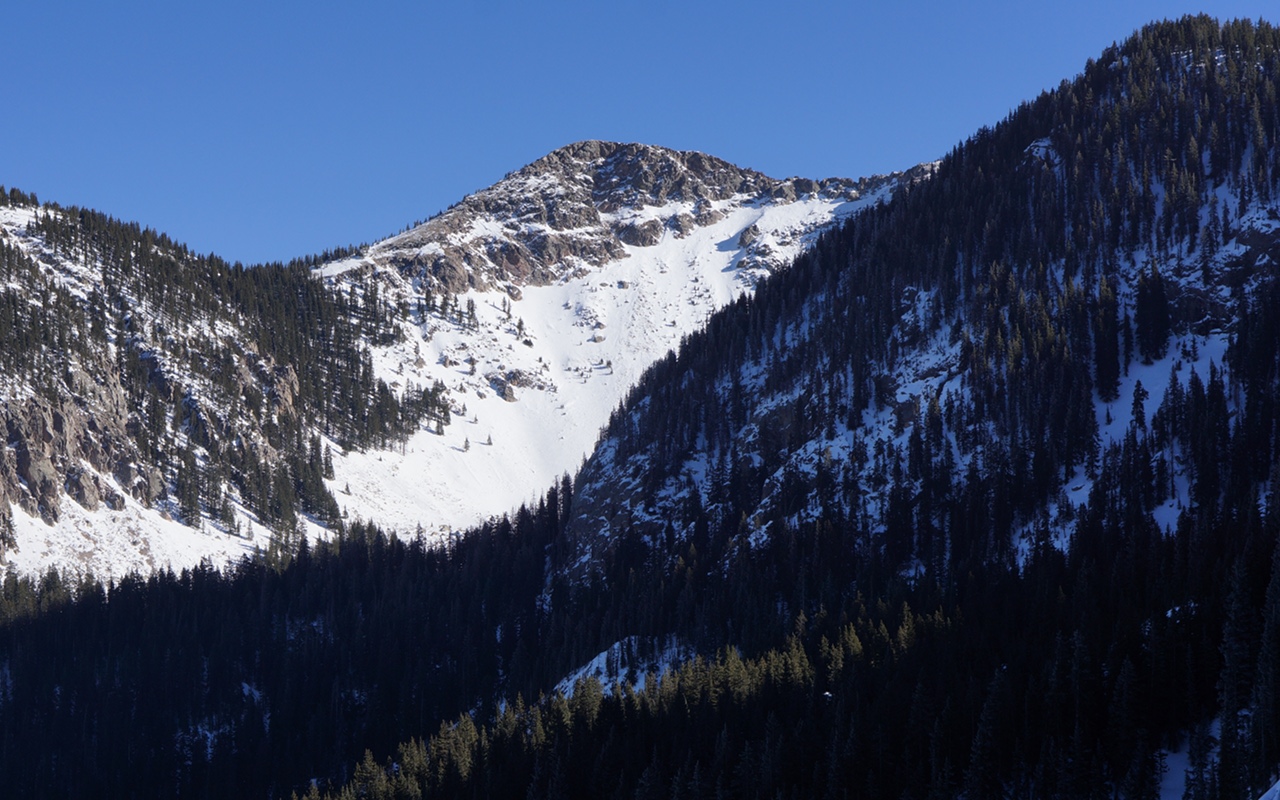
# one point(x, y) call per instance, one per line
point(576, 208)
point(62, 445)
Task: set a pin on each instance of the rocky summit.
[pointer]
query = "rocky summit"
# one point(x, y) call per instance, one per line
point(578, 207)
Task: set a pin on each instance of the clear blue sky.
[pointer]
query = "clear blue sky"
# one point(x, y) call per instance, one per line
point(265, 130)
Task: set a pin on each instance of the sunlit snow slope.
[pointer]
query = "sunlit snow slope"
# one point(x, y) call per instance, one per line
point(568, 352)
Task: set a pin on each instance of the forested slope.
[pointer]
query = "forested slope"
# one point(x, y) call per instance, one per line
point(139, 375)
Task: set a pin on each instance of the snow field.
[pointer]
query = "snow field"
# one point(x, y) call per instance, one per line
point(591, 337)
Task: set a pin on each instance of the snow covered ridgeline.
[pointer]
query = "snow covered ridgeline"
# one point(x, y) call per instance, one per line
point(578, 207)
point(552, 326)
point(543, 313)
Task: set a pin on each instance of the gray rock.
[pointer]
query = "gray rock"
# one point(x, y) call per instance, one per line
point(284, 388)
point(502, 387)
point(645, 234)
point(155, 488)
point(786, 192)
point(113, 499)
point(706, 215)
point(83, 488)
point(682, 225)
point(42, 482)
point(549, 220)
point(32, 436)
point(125, 473)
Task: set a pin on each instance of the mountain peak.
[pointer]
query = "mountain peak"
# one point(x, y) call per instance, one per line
point(539, 301)
point(579, 206)
point(632, 174)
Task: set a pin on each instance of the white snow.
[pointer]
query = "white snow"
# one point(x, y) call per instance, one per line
point(335, 268)
point(1173, 782)
point(591, 336)
point(108, 544)
point(622, 662)
point(1184, 354)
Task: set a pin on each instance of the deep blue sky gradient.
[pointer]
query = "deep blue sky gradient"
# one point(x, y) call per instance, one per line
point(263, 131)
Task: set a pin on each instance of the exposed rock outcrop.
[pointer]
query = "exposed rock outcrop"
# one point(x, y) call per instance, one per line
point(52, 442)
point(580, 207)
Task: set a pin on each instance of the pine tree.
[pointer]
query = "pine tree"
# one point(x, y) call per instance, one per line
point(1264, 717)
point(982, 778)
point(1151, 315)
point(1106, 347)
point(1140, 396)
point(1233, 683)
point(188, 486)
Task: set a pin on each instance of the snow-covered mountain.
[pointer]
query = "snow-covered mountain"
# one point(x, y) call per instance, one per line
point(447, 374)
point(578, 208)
point(538, 303)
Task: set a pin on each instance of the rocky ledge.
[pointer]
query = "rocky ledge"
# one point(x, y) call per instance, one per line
point(579, 207)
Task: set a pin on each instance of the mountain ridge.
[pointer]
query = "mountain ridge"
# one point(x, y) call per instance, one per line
point(551, 217)
point(170, 449)
point(564, 345)
point(926, 345)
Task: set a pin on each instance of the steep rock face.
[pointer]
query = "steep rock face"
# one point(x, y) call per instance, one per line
point(62, 446)
point(75, 444)
point(576, 208)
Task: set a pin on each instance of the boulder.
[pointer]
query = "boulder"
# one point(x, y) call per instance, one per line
point(642, 234)
point(682, 224)
point(113, 499)
point(284, 389)
point(785, 192)
point(83, 488)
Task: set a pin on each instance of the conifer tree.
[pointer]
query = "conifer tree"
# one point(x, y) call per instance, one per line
point(1106, 348)
point(1151, 316)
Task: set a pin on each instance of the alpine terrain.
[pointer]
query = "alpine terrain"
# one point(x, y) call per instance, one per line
point(168, 408)
point(537, 304)
point(972, 495)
